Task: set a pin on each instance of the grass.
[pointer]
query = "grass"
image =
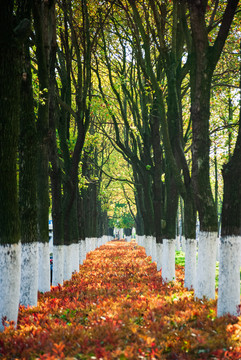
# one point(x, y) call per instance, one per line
point(180, 260)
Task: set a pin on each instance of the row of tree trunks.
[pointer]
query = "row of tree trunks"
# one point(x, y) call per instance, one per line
point(203, 62)
point(203, 59)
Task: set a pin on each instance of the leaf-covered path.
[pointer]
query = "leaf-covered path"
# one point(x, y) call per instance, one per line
point(117, 307)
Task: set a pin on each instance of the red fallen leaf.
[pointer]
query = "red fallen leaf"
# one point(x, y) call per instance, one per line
point(58, 350)
point(46, 357)
point(118, 307)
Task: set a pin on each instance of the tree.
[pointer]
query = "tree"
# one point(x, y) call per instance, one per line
point(27, 175)
point(43, 32)
point(72, 44)
point(204, 58)
point(12, 36)
point(55, 168)
point(229, 266)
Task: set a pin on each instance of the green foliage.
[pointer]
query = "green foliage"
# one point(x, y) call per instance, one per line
point(180, 258)
point(121, 217)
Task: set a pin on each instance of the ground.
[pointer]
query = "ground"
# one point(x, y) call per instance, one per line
point(117, 307)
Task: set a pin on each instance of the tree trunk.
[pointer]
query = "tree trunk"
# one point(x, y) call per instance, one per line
point(10, 248)
point(200, 77)
point(230, 247)
point(75, 235)
point(190, 237)
point(171, 208)
point(157, 182)
point(56, 172)
point(27, 187)
point(41, 24)
point(148, 211)
point(81, 223)
point(139, 204)
point(168, 265)
point(203, 62)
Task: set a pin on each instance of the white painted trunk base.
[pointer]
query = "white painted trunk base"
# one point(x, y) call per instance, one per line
point(148, 245)
point(159, 248)
point(29, 274)
point(104, 239)
point(71, 255)
point(99, 240)
point(92, 244)
point(121, 234)
point(141, 240)
point(83, 247)
point(10, 273)
point(168, 260)
point(82, 251)
point(178, 244)
point(95, 243)
point(153, 250)
point(190, 263)
point(229, 276)
point(144, 242)
point(183, 244)
point(75, 257)
point(58, 265)
point(88, 245)
point(43, 267)
point(205, 275)
point(67, 262)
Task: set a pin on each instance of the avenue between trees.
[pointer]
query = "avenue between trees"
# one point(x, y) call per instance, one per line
point(120, 114)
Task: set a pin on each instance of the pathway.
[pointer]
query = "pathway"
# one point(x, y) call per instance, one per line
point(117, 307)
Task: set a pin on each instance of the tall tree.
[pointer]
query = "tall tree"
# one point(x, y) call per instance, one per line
point(43, 32)
point(12, 36)
point(79, 46)
point(229, 265)
point(204, 58)
point(27, 175)
point(55, 169)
